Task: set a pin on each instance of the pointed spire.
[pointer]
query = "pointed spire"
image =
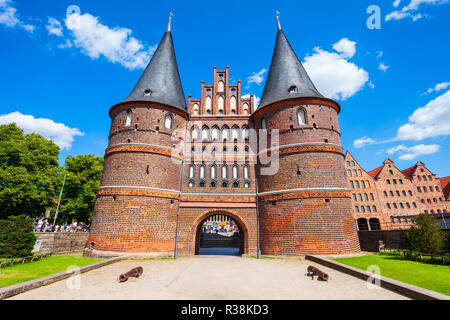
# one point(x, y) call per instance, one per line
point(287, 78)
point(168, 25)
point(161, 81)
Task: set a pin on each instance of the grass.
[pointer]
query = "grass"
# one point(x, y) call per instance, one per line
point(37, 269)
point(425, 275)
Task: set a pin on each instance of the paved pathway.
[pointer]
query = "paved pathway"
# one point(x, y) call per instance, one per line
point(212, 277)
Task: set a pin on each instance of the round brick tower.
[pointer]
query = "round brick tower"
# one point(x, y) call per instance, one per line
point(136, 207)
point(305, 206)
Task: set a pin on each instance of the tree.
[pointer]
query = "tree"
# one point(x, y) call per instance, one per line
point(16, 237)
point(28, 172)
point(84, 173)
point(425, 236)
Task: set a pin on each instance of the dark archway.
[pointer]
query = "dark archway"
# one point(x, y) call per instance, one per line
point(209, 233)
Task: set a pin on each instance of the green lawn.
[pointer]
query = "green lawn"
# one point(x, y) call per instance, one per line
point(32, 270)
point(429, 276)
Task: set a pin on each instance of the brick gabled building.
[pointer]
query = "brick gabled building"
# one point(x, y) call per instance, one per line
point(367, 209)
point(171, 166)
point(401, 194)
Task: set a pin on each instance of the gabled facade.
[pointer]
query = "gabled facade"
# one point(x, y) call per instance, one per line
point(396, 192)
point(171, 166)
point(402, 194)
point(367, 210)
point(428, 189)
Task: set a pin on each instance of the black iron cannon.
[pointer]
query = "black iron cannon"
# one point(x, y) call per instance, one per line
point(313, 271)
point(135, 272)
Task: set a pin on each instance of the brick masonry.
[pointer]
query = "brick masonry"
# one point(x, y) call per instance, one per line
point(386, 198)
point(152, 174)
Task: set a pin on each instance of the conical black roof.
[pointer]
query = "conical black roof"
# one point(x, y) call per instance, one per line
point(287, 77)
point(160, 81)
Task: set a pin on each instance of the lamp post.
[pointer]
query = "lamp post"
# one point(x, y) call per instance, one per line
point(59, 201)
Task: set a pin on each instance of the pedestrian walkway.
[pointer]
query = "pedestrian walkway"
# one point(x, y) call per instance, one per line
point(210, 277)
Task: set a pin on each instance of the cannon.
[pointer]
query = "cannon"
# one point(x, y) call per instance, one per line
point(313, 271)
point(135, 272)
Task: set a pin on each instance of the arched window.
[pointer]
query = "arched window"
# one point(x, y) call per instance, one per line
point(235, 172)
point(220, 86)
point(168, 122)
point(196, 109)
point(202, 172)
point(191, 184)
point(247, 185)
point(235, 133)
point(220, 104)
point(245, 109)
point(191, 172)
point(213, 172)
point(233, 104)
point(245, 132)
point(246, 172)
point(225, 133)
point(194, 133)
point(301, 116)
point(205, 133)
point(362, 224)
point(263, 124)
point(215, 133)
point(128, 118)
point(374, 224)
point(208, 104)
point(224, 172)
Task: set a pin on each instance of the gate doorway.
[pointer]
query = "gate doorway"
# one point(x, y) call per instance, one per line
point(219, 234)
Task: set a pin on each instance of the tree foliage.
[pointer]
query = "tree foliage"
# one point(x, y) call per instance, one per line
point(425, 235)
point(84, 173)
point(28, 172)
point(16, 237)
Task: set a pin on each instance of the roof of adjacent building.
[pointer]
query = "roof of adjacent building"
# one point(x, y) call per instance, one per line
point(409, 172)
point(374, 173)
point(161, 81)
point(285, 72)
point(445, 186)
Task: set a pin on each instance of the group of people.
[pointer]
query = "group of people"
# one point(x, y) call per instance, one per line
point(42, 225)
point(215, 228)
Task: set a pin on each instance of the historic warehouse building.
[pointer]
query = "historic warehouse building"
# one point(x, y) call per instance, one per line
point(171, 166)
point(387, 198)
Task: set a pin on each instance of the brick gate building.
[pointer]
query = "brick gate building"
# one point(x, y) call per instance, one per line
point(169, 166)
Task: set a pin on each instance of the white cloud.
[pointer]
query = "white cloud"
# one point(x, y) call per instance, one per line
point(379, 54)
point(410, 153)
point(256, 77)
point(430, 121)
point(54, 27)
point(115, 44)
point(383, 67)
point(65, 45)
point(9, 17)
point(361, 142)
point(333, 75)
point(407, 11)
point(438, 87)
point(345, 47)
point(61, 134)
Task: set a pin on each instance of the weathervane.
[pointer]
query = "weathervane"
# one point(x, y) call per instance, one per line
point(278, 19)
point(170, 18)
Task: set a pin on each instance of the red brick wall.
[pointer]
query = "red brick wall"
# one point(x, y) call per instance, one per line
point(309, 222)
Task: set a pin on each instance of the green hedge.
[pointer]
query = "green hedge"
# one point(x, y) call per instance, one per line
point(16, 237)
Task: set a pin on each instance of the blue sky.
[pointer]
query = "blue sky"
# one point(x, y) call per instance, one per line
point(61, 73)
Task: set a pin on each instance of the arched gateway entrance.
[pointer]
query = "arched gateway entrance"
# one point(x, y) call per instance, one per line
point(221, 233)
